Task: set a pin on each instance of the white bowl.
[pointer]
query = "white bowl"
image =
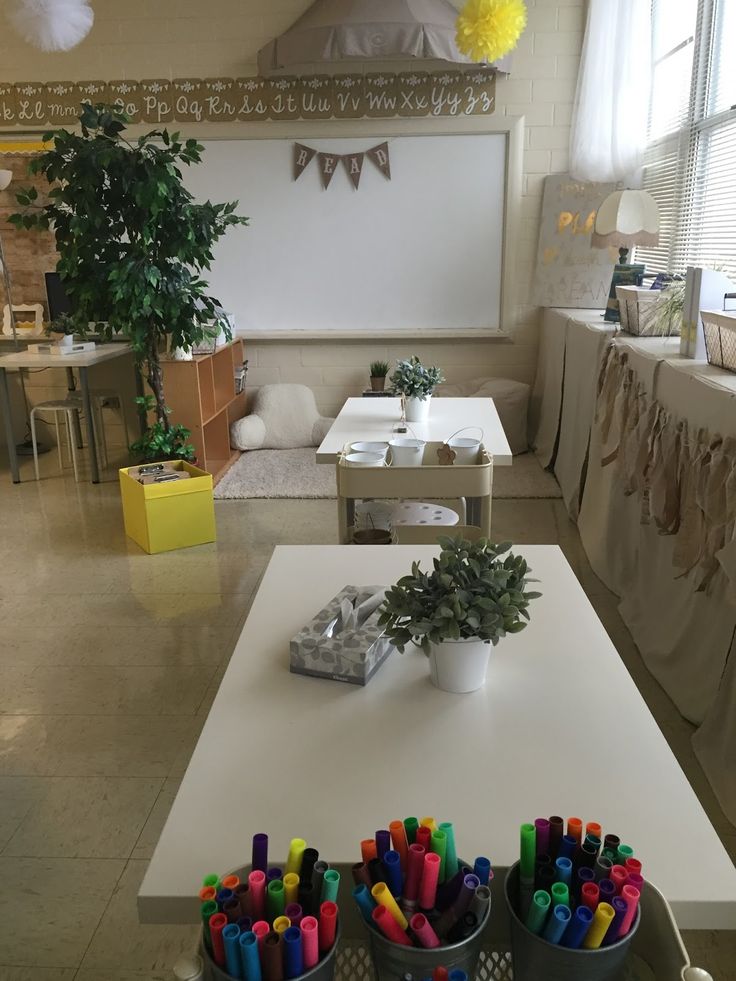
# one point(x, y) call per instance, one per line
point(365, 459)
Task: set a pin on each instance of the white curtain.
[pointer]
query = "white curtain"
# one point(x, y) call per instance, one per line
point(609, 125)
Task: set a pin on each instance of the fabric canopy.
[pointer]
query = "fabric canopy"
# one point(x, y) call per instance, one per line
point(379, 30)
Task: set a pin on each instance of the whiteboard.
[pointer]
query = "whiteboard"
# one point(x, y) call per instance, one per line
point(422, 251)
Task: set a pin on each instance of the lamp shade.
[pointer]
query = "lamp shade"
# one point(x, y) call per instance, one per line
point(625, 219)
point(6, 177)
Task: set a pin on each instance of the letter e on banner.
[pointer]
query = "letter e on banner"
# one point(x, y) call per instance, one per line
point(327, 167)
point(302, 158)
point(379, 156)
point(354, 166)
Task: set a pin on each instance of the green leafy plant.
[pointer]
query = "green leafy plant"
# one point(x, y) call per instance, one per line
point(414, 380)
point(379, 369)
point(64, 324)
point(159, 443)
point(472, 592)
point(132, 242)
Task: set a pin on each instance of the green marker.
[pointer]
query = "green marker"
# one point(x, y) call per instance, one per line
point(211, 881)
point(538, 910)
point(452, 864)
point(410, 826)
point(207, 910)
point(610, 853)
point(330, 886)
point(275, 899)
point(528, 850)
point(560, 894)
point(624, 852)
point(438, 844)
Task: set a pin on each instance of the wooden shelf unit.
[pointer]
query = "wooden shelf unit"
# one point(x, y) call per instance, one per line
point(201, 396)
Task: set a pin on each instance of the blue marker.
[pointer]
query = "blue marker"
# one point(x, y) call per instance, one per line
point(363, 898)
point(482, 869)
point(563, 867)
point(458, 975)
point(557, 924)
point(293, 957)
point(250, 956)
point(392, 868)
point(568, 846)
point(223, 896)
point(231, 939)
point(577, 928)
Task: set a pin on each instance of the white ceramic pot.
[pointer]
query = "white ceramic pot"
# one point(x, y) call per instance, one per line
point(406, 452)
point(417, 410)
point(459, 666)
point(179, 354)
point(465, 450)
point(370, 447)
point(67, 340)
point(365, 459)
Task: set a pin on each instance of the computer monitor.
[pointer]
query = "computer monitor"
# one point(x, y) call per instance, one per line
point(59, 302)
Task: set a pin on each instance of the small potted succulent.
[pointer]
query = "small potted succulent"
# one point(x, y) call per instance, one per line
point(379, 370)
point(475, 595)
point(62, 329)
point(416, 383)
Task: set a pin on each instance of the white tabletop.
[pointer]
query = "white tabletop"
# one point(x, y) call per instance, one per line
point(376, 419)
point(560, 728)
point(27, 359)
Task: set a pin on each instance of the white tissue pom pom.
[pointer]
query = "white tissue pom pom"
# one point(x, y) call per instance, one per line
point(52, 25)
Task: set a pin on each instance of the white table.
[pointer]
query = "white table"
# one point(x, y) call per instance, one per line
point(376, 419)
point(559, 728)
point(83, 361)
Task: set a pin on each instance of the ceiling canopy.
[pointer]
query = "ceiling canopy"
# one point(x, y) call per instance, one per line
point(364, 30)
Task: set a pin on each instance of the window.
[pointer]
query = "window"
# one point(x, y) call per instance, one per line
point(690, 162)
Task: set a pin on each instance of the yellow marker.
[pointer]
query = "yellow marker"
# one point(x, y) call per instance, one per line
point(291, 887)
point(599, 927)
point(281, 923)
point(382, 895)
point(429, 823)
point(296, 850)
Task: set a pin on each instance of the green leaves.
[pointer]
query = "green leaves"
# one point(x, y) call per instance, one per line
point(471, 592)
point(413, 380)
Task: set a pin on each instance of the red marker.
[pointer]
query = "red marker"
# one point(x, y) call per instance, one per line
point(414, 874)
point(618, 877)
point(218, 922)
point(633, 865)
point(440, 974)
point(389, 927)
point(327, 926)
point(590, 895)
point(424, 837)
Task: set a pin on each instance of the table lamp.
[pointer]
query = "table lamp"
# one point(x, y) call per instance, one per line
point(626, 219)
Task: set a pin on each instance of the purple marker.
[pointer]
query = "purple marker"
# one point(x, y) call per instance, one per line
point(583, 875)
point(295, 913)
point(245, 923)
point(274, 873)
point(620, 907)
point(607, 890)
point(542, 826)
point(383, 843)
point(259, 862)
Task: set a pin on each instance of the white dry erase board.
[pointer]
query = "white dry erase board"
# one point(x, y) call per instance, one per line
point(424, 251)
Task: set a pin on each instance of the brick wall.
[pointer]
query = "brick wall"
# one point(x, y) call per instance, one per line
point(158, 38)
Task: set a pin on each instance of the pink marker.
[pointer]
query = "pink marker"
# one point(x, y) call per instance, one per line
point(261, 929)
point(257, 883)
point(430, 877)
point(637, 881)
point(389, 927)
point(310, 942)
point(618, 876)
point(631, 896)
point(423, 931)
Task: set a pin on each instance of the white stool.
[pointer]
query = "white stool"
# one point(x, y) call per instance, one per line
point(63, 408)
point(99, 398)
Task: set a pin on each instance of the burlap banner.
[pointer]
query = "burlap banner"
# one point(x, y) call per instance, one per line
point(188, 100)
point(330, 162)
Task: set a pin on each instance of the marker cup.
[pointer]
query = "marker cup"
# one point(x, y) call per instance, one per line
point(536, 958)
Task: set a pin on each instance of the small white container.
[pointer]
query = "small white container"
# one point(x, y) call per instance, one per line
point(417, 410)
point(406, 452)
point(459, 666)
point(366, 460)
point(370, 447)
point(67, 340)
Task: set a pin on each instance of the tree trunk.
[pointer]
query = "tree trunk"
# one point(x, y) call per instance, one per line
point(156, 383)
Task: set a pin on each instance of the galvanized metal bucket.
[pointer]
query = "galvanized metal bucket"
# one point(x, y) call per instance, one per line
point(324, 971)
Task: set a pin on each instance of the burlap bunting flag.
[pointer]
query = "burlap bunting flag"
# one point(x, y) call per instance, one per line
point(379, 156)
point(302, 158)
point(354, 165)
point(330, 162)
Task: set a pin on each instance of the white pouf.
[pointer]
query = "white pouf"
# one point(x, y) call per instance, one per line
point(284, 417)
point(511, 399)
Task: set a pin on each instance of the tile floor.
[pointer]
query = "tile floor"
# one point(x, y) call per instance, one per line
point(109, 662)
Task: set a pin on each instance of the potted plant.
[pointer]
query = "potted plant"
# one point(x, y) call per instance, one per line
point(133, 245)
point(379, 370)
point(474, 596)
point(62, 330)
point(416, 383)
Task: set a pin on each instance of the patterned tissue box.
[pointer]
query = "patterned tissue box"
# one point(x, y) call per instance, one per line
point(327, 649)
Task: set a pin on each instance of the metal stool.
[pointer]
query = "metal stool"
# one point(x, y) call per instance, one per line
point(58, 407)
point(99, 399)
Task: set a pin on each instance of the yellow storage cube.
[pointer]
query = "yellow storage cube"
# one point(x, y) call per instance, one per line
point(162, 517)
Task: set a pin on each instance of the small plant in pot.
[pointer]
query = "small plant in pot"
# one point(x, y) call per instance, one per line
point(379, 370)
point(474, 596)
point(62, 330)
point(416, 383)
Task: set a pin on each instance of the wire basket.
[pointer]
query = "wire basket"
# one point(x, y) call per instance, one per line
point(639, 314)
point(719, 328)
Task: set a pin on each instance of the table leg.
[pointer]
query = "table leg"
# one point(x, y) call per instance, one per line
point(71, 386)
point(87, 403)
point(5, 406)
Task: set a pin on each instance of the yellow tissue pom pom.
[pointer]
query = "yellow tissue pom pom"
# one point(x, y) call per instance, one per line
point(489, 29)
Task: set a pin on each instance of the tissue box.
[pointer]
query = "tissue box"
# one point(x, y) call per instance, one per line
point(323, 649)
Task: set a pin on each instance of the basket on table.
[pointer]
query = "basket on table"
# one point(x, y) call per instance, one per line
point(719, 328)
point(639, 314)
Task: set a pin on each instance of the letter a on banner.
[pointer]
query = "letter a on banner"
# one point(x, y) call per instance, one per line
point(327, 167)
point(354, 166)
point(379, 156)
point(302, 158)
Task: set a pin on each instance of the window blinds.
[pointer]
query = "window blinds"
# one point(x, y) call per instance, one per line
point(690, 163)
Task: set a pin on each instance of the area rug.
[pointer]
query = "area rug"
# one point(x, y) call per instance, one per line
point(294, 474)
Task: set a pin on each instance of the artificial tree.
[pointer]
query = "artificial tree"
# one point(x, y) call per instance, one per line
point(132, 243)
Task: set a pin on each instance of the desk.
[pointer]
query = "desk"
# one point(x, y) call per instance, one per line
point(83, 361)
point(343, 760)
point(376, 419)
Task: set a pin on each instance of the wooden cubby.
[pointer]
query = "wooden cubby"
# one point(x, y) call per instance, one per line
point(201, 396)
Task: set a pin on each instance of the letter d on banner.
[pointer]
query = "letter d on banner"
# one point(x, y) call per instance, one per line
point(302, 158)
point(379, 156)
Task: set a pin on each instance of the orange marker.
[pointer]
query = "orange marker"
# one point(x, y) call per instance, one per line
point(593, 828)
point(368, 849)
point(398, 840)
point(207, 893)
point(230, 882)
point(575, 828)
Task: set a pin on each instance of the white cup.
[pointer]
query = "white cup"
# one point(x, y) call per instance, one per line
point(369, 447)
point(465, 450)
point(406, 452)
point(365, 460)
